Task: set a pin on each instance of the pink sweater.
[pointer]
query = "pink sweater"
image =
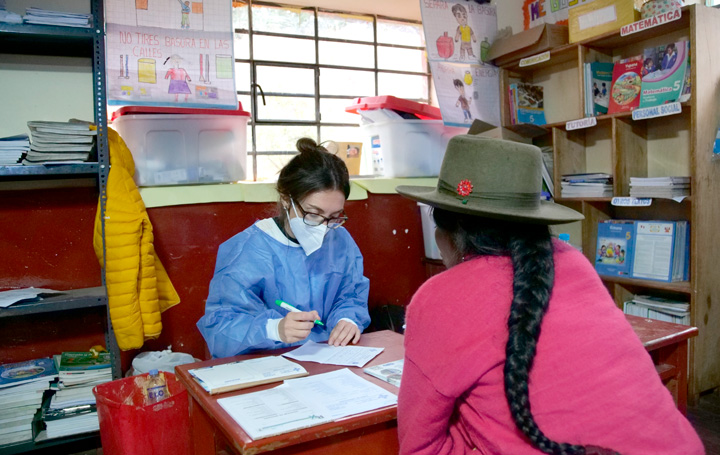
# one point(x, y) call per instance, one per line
point(592, 383)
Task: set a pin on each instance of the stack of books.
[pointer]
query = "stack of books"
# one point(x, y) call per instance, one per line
point(71, 410)
point(660, 187)
point(13, 149)
point(21, 392)
point(658, 308)
point(587, 185)
point(48, 17)
point(59, 142)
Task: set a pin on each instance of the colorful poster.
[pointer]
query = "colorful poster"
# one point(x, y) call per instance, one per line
point(538, 12)
point(176, 53)
point(458, 35)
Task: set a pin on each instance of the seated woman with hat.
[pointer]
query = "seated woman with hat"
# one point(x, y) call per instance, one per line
point(518, 348)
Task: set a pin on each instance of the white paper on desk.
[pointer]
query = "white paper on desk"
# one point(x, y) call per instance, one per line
point(349, 356)
point(7, 298)
point(342, 393)
point(246, 371)
point(273, 411)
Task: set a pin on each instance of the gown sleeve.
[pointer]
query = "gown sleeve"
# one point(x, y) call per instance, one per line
point(351, 300)
point(235, 313)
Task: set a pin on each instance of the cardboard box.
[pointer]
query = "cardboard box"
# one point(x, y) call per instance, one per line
point(600, 16)
point(528, 43)
point(524, 134)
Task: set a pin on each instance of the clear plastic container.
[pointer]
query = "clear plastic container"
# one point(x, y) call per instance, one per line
point(156, 388)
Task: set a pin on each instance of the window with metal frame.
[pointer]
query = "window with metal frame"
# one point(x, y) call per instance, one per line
point(297, 68)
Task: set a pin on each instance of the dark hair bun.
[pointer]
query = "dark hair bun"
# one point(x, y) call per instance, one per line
point(307, 145)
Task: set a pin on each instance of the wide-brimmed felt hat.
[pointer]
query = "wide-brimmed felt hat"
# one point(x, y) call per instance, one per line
point(493, 178)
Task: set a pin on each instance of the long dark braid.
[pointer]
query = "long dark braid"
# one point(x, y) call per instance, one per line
point(530, 249)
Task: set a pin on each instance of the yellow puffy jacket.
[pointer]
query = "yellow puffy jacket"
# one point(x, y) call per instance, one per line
point(138, 286)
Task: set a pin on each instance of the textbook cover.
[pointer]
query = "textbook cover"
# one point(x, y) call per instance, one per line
point(663, 73)
point(626, 83)
point(616, 240)
point(529, 104)
point(12, 374)
point(390, 372)
point(602, 74)
point(84, 361)
point(662, 250)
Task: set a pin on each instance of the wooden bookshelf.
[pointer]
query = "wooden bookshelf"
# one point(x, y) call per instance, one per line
point(679, 144)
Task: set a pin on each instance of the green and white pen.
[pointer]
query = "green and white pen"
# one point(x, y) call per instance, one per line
point(289, 307)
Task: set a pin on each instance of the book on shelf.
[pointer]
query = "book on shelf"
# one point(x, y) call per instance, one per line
point(659, 187)
point(58, 18)
point(84, 360)
point(596, 184)
point(658, 308)
point(626, 84)
point(663, 73)
point(13, 148)
point(662, 250)
point(390, 372)
point(37, 370)
point(246, 373)
point(615, 240)
point(527, 101)
point(600, 76)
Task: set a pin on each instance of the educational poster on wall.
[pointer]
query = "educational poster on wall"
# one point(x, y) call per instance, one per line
point(176, 53)
point(538, 12)
point(458, 34)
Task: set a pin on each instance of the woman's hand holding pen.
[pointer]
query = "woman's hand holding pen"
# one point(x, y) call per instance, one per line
point(344, 332)
point(296, 326)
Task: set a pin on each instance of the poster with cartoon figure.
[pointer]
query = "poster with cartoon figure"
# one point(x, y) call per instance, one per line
point(467, 92)
point(458, 34)
point(176, 53)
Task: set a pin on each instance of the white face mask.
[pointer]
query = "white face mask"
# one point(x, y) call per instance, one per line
point(309, 237)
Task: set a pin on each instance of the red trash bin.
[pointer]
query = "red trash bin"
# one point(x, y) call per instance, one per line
point(129, 427)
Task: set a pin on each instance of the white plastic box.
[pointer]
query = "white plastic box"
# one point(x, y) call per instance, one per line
point(199, 146)
point(428, 228)
point(407, 148)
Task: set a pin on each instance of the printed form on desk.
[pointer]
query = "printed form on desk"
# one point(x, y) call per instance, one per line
point(349, 356)
point(305, 402)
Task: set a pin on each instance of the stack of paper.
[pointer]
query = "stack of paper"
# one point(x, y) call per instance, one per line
point(587, 185)
point(660, 187)
point(48, 17)
point(658, 308)
point(13, 148)
point(246, 373)
point(71, 410)
point(21, 391)
point(59, 142)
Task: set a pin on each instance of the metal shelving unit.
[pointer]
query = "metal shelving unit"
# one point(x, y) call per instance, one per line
point(66, 42)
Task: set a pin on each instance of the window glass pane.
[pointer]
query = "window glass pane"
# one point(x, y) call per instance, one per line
point(286, 108)
point(278, 79)
point(242, 77)
point(391, 32)
point(395, 58)
point(269, 166)
point(241, 46)
point(346, 54)
point(347, 82)
point(341, 134)
point(403, 85)
point(333, 111)
point(275, 48)
point(240, 15)
point(245, 101)
point(345, 26)
point(282, 138)
point(283, 20)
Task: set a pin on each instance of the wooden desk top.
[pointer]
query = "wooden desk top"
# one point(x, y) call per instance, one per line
point(394, 350)
point(657, 334)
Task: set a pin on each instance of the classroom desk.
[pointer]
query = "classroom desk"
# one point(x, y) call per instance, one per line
point(373, 432)
point(667, 344)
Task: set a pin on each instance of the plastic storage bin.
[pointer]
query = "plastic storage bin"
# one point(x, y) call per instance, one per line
point(412, 145)
point(129, 427)
point(173, 146)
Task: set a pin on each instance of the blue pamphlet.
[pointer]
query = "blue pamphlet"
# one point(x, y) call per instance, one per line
point(614, 255)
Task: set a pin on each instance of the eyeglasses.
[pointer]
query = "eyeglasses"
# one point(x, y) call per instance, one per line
point(315, 219)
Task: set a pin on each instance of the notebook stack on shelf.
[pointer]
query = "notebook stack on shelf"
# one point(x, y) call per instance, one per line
point(60, 18)
point(13, 149)
point(60, 142)
point(21, 392)
point(660, 187)
point(659, 309)
point(71, 410)
point(586, 185)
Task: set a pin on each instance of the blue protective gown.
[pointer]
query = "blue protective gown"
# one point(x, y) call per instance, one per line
point(260, 265)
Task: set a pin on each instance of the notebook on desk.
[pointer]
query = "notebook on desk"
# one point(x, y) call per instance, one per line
point(246, 373)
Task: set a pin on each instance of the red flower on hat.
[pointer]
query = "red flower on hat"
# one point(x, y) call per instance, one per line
point(465, 187)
